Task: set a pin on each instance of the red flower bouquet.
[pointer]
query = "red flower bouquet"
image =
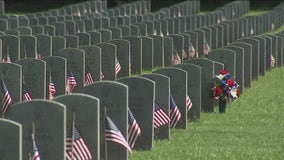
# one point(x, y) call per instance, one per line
point(225, 86)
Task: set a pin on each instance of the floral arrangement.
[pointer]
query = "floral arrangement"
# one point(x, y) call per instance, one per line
point(225, 86)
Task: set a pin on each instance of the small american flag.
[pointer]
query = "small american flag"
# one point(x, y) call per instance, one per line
point(76, 149)
point(8, 59)
point(71, 82)
point(206, 48)
point(113, 134)
point(78, 13)
point(35, 155)
point(6, 97)
point(52, 89)
point(88, 76)
point(272, 61)
point(102, 76)
point(218, 20)
point(175, 59)
point(191, 50)
point(38, 56)
point(272, 27)
point(184, 55)
point(26, 93)
point(134, 130)
point(155, 32)
point(117, 66)
point(175, 114)
point(160, 117)
point(251, 31)
point(188, 103)
point(223, 19)
point(179, 14)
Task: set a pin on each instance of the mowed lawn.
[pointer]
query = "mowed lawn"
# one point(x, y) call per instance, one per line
point(251, 129)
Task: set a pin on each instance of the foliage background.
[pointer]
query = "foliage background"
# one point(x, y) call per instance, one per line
point(25, 6)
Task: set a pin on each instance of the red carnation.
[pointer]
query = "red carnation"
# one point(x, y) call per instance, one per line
point(218, 91)
point(231, 82)
point(238, 93)
point(223, 72)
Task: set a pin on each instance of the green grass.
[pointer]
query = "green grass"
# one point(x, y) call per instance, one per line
point(280, 29)
point(251, 129)
point(255, 12)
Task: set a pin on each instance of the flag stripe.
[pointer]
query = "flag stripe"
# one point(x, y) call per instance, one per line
point(6, 97)
point(176, 59)
point(71, 82)
point(117, 137)
point(134, 130)
point(6, 102)
point(113, 134)
point(52, 90)
point(80, 150)
point(160, 117)
point(88, 76)
point(206, 48)
point(117, 67)
point(175, 117)
point(26, 94)
point(188, 103)
point(175, 114)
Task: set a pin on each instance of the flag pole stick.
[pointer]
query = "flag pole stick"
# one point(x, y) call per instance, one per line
point(104, 124)
point(73, 129)
point(33, 128)
point(33, 136)
point(49, 84)
point(7, 52)
point(30, 156)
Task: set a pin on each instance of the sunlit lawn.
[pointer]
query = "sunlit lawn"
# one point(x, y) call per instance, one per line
point(251, 129)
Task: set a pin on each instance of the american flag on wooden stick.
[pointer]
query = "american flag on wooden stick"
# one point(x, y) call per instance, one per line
point(188, 103)
point(88, 76)
point(102, 76)
point(272, 61)
point(134, 130)
point(251, 31)
point(113, 134)
point(8, 59)
point(52, 89)
point(6, 100)
point(160, 117)
point(35, 155)
point(71, 82)
point(117, 66)
point(184, 54)
point(76, 147)
point(206, 48)
point(176, 59)
point(191, 50)
point(175, 114)
point(26, 94)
